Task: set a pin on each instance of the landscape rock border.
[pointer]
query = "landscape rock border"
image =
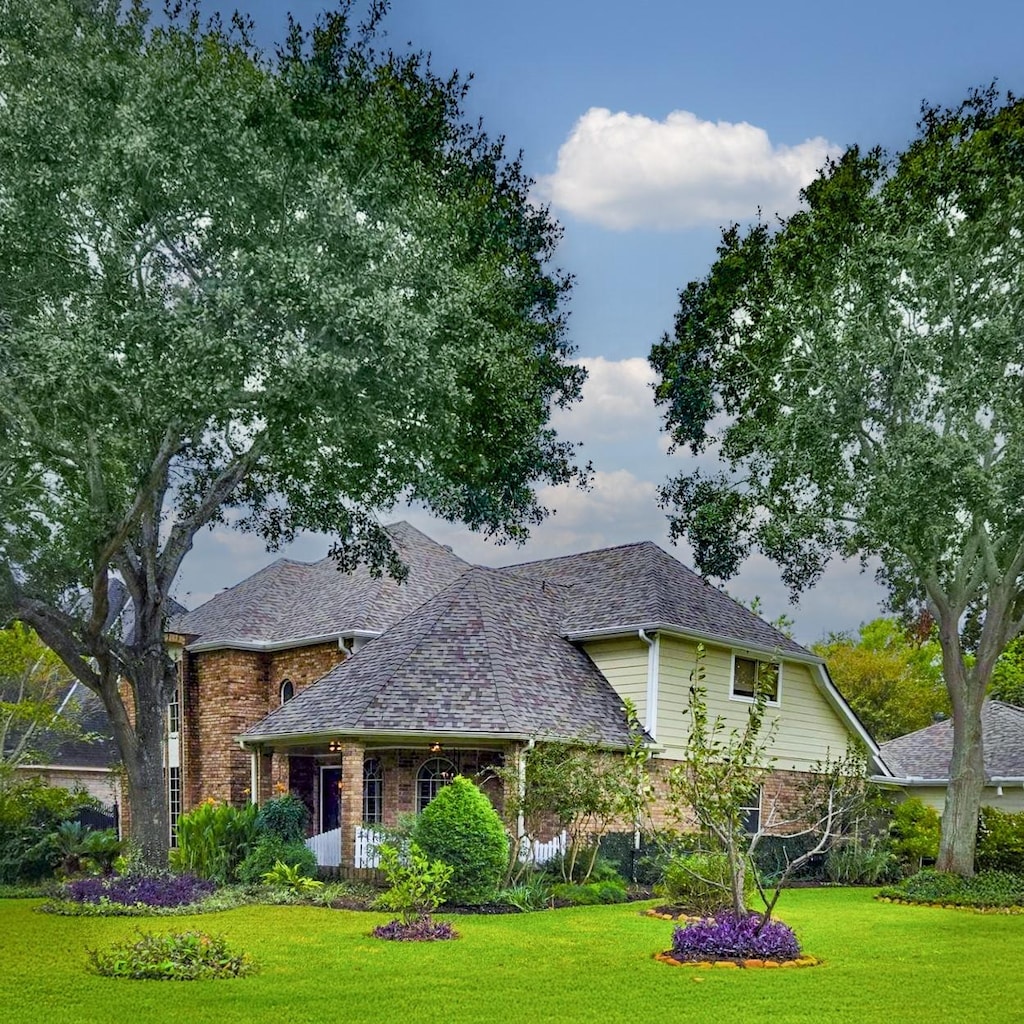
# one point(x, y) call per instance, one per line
point(737, 964)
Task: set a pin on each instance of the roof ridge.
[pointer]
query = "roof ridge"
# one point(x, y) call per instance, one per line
point(581, 554)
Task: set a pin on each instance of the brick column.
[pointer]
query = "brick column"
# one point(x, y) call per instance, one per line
point(351, 800)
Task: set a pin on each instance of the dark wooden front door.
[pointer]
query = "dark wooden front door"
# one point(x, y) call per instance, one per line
point(330, 798)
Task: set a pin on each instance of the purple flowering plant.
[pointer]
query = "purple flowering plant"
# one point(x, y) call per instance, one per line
point(422, 929)
point(132, 890)
point(729, 936)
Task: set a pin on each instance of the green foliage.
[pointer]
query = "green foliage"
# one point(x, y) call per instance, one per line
point(532, 893)
point(185, 956)
point(417, 885)
point(861, 862)
point(985, 889)
point(461, 828)
point(34, 684)
point(914, 832)
point(849, 366)
point(333, 256)
point(700, 883)
point(30, 811)
point(587, 866)
point(589, 894)
point(285, 817)
point(213, 840)
point(268, 850)
point(75, 849)
point(1008, 675)
point(1000, 841)
point(290, 876)
point(890, 676)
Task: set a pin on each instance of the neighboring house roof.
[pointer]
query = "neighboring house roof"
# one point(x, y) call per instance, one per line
point(484, 656)
point(94, 749)
point(292, 602)
point(639, 585)
point(926, 754)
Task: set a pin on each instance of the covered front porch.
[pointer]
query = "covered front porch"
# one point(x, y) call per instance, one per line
point(352, 786)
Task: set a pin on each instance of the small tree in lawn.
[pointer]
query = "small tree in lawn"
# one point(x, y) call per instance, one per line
point(724, 767)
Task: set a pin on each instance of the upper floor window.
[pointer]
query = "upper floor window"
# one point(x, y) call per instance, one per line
point(174, 715)
point(287, 691)
point(750, 677)
point(431, 779)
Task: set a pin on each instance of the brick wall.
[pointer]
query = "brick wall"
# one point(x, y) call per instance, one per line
point(227, 692)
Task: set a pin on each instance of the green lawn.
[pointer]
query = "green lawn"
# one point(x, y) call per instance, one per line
point(882, 963)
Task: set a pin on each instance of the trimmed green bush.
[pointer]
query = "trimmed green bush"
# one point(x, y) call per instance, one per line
point(700, 883)
point(461, 828)
point(861, 863)
point(270, 849)
point(1000, 841)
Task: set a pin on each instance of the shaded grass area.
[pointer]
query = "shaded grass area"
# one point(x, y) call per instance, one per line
point(882, 961)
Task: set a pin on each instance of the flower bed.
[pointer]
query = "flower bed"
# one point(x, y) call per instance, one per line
point(731, 941)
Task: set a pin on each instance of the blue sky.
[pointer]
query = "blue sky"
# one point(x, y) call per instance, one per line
point(647, 126)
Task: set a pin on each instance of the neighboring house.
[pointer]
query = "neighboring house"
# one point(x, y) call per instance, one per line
point(363, 697)
point(87, 761)
point(919, 761)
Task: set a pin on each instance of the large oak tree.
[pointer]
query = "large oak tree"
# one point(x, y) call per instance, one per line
point(280, 292)
point(859, 371)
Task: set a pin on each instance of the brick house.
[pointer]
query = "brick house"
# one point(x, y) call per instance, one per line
point(363, 696)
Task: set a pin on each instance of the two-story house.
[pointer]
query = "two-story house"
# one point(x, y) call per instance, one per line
point(363, 696)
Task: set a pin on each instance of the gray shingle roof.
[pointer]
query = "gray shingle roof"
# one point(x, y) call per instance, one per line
point(638, 584)
point(926, 754)
point(482, 657)
point(291, 601)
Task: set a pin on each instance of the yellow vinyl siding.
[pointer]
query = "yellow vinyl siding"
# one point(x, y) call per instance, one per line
point(1011, 802)
point(623, 662)
point(808, 729)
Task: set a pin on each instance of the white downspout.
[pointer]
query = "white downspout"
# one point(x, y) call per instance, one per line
point(521, 817)
point(653, 657)
point(254, 775)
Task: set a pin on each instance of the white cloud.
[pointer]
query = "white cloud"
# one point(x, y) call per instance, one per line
point(617, 403)
point(624, 170)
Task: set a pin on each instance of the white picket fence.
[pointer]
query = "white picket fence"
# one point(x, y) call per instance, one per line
point(326, 848)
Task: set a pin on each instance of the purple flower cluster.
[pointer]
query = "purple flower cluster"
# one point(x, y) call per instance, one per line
point(425, 929)
point(715, 938)
point(152, 891)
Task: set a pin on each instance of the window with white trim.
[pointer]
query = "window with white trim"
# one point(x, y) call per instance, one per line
point(287, 691)
point(432, 777)
point(174, 800)
point(750, 676)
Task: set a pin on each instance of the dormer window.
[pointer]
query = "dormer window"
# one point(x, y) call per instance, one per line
point(287, 691)
point(750, 676)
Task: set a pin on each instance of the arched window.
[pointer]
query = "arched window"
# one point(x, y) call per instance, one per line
point(431, 778)
point(373, 792)
point(287, 691)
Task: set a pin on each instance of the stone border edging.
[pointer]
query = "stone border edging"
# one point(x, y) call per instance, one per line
point(803, 961)
point(950, 906)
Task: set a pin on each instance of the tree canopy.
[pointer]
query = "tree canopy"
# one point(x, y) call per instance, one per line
point(891, 677)
point(857, 369)
point(277, 292)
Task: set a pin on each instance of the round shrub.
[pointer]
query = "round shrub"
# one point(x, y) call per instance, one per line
point(188, 956)
point(699, 882)
point(286, 817)
point(1000, 841)
point(728, 936)
point(461, 828)
point(268, 851)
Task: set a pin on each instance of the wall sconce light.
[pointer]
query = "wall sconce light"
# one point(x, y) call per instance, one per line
point(436, 747)
point(334, 746)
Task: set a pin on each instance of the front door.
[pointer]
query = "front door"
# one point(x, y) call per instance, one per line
point(330, 799)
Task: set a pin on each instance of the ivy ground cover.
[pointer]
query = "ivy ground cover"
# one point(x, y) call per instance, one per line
point(900, 963)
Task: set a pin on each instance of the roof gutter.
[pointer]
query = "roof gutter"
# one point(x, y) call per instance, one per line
point(720, 639)
point(291, 739)
point(279, 645)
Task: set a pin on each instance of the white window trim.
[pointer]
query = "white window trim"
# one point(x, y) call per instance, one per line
point(754, 807)
point(742, 698)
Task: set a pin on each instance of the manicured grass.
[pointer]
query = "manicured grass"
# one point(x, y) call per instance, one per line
point(883, 962)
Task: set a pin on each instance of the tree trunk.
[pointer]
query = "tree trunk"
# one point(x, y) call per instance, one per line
point(966, 777)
